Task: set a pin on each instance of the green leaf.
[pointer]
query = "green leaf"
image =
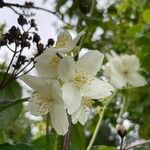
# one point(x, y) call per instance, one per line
point(60, 3)
point(7, 146)
point(131, 32)
point(54, 142)
point(78, 137)
point(103, 147)
point(146, 15)
point(8, 95)
point(5, 105)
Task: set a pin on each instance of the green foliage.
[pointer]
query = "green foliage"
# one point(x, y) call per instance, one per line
point(103, 147)
point(54, 142)
point(7, 146)
point(78, 137)
point(146, 15)
point(126, 29)
point(8, 95)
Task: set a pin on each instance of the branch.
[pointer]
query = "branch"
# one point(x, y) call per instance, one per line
point(136, 144)
point(67, 135)
point(15, 5)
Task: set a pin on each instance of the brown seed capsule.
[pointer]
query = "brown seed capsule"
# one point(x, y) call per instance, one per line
point(3, 41)
point(36, 38)
point(21, 20)
point(50, 42)
point(121, 130)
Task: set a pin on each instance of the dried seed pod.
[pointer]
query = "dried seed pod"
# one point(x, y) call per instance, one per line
point(21, 20)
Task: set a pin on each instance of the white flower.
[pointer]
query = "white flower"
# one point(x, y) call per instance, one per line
point(122, 71)
point(47, 98)
point(48, 61)
point(65, 43)
point(80, 80)
point(47, 64)
point(82, 112)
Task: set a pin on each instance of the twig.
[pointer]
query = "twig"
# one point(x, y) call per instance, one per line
point(67, 135)
point(6, 73)
point(11, 5)
point(134, 145)
point(121, 143)
point(47, 130)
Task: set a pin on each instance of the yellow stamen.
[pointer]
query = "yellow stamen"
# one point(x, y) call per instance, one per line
point(54, 62)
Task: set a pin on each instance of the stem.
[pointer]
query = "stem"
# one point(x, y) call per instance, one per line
point(121, 144)
point(7, 71)
point(124, 106)
point(134, 145)
point(122, 110)
point(80, 20)
point(47, 130)
point(101, 114)
point(67, 135)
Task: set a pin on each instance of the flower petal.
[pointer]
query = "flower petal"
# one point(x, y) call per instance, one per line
point(76, 115)
point(71, 97)
point(80, 115)
point(37, 83)
point(76, 39)
point(117, 65)
point(70, 44)
point(91, 62)
point(38, 105)
point(66, 68)
point(136, 80)
point(59, 118)
point(96, 89)
point(118, 80)
point(56, 91)
point(130, 62)
point(83, 116)
point(44, 66)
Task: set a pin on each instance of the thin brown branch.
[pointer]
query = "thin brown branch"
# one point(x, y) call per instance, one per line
point(134, 145)
point(16, 5)
point(8, 68)
point(67, 136)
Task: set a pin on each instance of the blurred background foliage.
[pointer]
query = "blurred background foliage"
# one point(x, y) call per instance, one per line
point(122, 26)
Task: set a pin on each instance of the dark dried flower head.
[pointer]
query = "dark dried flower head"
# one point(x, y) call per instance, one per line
point(40, 48)
point(21, 20)
point(24, 36)
point(9, 38)
point(3, 41)
point(25, 44)
point(14, 32)
point(28, 4)
point(50, 42)
point(32, 23)
point(36, 38)
point(22, 59)
point(2, 4)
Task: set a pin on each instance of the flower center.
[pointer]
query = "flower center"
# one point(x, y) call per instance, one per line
point(88, 103)
point(62, 41)
point(125, 72)
point(80, 78)
point(54, 62)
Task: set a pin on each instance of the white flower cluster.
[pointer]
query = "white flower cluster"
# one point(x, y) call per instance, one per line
point(68, 86)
